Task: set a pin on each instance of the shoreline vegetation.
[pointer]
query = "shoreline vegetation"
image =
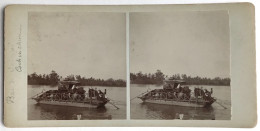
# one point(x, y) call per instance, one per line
point(135, 78)
point(53, 78)
point(158, 77)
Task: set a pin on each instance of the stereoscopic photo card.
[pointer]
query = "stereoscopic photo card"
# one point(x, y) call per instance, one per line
point(130, 65)
point(184, 63)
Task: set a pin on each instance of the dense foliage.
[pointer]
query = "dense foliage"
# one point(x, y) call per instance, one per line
point(53, 78)
point(140, 78)
point(158, 77)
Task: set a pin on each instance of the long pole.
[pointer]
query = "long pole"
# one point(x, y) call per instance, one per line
point(113, 105)
point(221, 105)
point(37, 94)
point(139, 95)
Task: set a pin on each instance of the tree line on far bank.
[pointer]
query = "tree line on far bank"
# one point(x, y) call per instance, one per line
point(158, 77)
point(53, 78)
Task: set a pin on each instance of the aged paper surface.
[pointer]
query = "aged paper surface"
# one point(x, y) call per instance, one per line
point(190, 51)
point(242, 63)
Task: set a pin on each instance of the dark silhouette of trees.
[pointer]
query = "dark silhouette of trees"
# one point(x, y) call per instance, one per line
point(158, 77)
point(53, 78)
point(49, 79)
point(140, 78)
point(136, 78)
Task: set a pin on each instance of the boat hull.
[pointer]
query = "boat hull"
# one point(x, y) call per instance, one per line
point(72, 104)
point(178, 103)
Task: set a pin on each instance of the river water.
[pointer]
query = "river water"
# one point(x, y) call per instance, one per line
point(51, 112)
point(140, 110)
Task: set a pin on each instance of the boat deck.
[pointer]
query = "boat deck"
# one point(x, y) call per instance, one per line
point(190, 103)
point(83, 103)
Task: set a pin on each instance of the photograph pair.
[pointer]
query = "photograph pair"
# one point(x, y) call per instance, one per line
point(179, 65)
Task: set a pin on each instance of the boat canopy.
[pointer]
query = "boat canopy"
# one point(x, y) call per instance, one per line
point(174, 81)
point(69, 82)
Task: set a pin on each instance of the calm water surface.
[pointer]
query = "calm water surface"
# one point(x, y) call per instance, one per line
point(51, 112)
point(140, 110)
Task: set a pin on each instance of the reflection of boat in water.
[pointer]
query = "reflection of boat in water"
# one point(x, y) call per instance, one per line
point(155, 111)
point(70, 113)
point(69, 94)
point(174, 93)
point(56, 112)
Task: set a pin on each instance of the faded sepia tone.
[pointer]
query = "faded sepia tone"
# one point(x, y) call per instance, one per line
point(76, 66)
point(192, 48)
point(242, 66)
point(189, 42)
point(77, 43)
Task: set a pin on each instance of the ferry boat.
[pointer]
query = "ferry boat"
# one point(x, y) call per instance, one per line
point(69, 93)
point(174, 92)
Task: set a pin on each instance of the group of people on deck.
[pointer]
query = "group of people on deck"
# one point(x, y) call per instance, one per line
point(73, 93)
point(204, 94)
point(179, 92)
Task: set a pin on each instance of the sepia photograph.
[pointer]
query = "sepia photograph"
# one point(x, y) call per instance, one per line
point(190, 65)
point(180, 65)
point(76, 66)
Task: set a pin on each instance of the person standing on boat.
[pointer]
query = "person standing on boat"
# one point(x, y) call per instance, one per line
point(207, 94)
point(90, 93)
point(86, 95)
point(157, 95)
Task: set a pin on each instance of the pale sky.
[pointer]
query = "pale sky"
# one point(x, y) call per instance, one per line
point(86, 44)
point(192, 43)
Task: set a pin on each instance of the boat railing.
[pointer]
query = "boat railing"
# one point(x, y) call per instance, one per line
point(167, 96)
point(65, 97)
point(180, 100)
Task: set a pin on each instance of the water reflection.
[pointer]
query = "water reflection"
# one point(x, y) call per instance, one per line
point(157, 111)
point(70, 113)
